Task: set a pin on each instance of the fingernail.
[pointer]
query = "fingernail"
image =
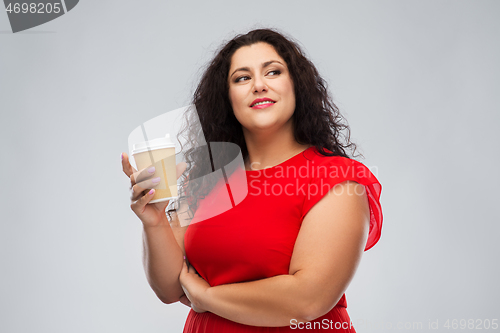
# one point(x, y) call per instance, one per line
point(152, 169)
point(184, 257)
point(156, 180)
point(151, 192)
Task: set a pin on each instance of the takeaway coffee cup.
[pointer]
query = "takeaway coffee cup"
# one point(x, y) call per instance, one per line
point(159, 153)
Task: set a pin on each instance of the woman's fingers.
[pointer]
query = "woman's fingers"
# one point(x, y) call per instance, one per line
point(184, 272)
point(138, 189)
point(138, 206)
point(134, 175)
point(145, 174)
point(140, 176)
point(141, 181)
point(127, 168)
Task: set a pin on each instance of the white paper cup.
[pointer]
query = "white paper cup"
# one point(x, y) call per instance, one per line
point(159, 153)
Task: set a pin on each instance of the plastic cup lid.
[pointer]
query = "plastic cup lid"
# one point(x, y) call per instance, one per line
point(154, 144)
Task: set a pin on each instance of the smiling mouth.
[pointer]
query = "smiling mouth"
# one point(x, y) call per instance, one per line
point(262, 103)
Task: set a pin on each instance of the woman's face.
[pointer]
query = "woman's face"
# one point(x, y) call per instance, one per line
point(258, 74)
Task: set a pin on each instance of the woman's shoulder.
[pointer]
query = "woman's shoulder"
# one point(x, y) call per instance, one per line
point(327, 171)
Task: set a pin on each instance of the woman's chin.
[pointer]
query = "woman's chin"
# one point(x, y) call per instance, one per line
point(265, 127)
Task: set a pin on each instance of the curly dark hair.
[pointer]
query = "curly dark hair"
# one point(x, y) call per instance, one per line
point(316, 119)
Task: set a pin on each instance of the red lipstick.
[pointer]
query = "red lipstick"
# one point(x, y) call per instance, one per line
point(263, 105)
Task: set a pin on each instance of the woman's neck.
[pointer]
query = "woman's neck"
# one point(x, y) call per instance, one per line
point(269, 149)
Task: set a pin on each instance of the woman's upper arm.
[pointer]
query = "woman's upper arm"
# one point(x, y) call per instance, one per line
point(329, 246)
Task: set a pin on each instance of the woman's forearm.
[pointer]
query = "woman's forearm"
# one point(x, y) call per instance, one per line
point(269, 302)
point(163, 259)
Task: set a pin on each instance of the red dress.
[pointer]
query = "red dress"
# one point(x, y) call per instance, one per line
point(255, 239)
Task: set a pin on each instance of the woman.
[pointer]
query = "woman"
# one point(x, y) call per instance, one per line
point(282, 258)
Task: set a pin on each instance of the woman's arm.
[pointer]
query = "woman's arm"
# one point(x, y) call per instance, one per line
point(325, 257)
point(163, 241)
point(163, 256)
point(162, 260)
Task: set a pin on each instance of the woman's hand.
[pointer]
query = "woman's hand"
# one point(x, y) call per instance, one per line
point(140, 184)
point(194, 286)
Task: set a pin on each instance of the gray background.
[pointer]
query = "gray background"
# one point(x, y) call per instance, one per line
point(415, 79)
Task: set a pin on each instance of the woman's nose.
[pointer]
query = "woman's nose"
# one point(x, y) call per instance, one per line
point(259, 85)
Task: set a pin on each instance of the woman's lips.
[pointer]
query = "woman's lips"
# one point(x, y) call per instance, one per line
point(262, 106)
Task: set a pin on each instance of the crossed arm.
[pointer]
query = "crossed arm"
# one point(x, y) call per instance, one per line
point(327, 252)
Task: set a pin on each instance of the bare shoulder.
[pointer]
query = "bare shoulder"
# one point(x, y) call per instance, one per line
point(347, 193)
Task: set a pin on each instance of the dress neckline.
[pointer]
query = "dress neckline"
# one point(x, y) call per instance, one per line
point(282, 163)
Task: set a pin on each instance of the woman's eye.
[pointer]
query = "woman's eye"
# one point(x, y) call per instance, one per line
point(245, 78)
point(241, 78)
